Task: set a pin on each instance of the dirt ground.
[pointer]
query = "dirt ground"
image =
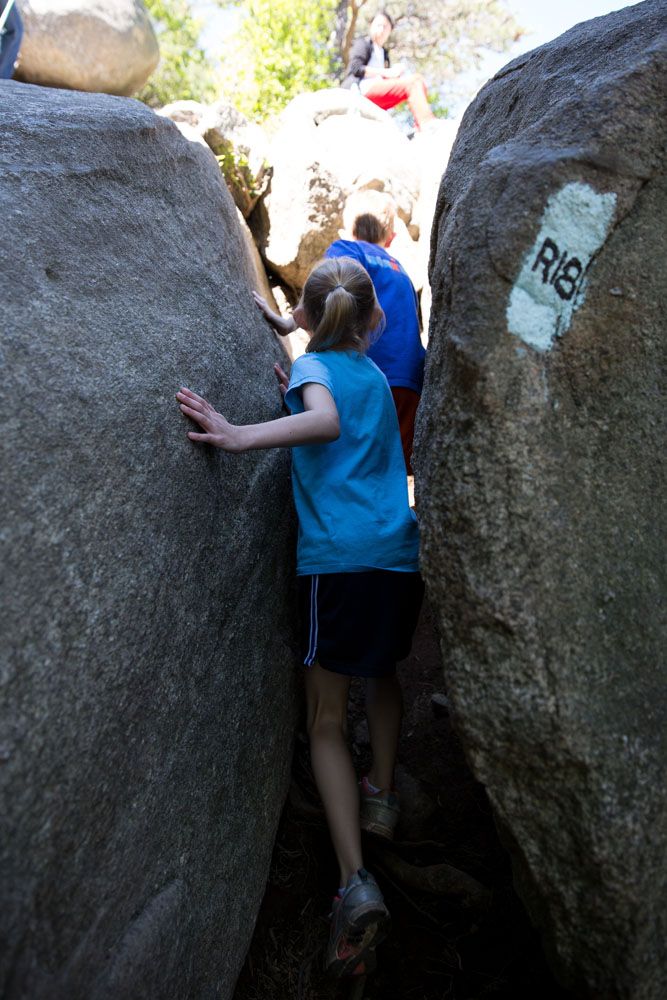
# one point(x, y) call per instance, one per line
point(462, 939)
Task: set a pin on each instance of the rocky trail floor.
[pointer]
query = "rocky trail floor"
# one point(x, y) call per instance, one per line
point(459, 931)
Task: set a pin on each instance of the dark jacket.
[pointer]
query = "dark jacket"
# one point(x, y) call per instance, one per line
point(360, 55)
point(10, 41)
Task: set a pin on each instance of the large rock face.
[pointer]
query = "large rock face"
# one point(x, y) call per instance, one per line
point(242, 149)
point(147, 692)
point(541, 483)
point(327, 145)
point(87, 45)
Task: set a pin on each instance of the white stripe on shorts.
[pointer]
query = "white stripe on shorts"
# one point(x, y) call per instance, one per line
point(312, 646)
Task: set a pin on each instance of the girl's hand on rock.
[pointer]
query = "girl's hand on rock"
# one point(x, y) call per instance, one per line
point(282, 326)
point(216, 429)
point(261, 304)
point(283, 379)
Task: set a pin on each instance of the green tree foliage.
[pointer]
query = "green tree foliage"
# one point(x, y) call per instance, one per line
point(183, 73)
point(281, 49)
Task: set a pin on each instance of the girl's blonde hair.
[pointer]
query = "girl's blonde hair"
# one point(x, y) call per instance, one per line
point(340, 305)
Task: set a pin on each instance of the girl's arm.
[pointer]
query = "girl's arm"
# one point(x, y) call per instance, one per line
point(318, 424)
point(282, 325)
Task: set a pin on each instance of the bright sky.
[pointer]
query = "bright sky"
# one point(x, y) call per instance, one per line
point(541, 19)
point(548, 20)
point(217, 23)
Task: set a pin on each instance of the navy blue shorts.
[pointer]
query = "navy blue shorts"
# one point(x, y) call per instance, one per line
point(359, 624)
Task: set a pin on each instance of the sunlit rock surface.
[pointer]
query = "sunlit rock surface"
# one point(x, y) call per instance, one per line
point(87, 45)
point(325, 146)
point(242, 148)
point(146, 665)
point(541, 487)
point(292, 177)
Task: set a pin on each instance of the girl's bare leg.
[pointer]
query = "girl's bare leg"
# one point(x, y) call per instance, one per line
point(326, 698)
point(384, 711)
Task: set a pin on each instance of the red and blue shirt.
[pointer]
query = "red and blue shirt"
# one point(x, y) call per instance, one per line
point(398, 351)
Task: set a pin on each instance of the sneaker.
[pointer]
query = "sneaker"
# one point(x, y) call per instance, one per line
point(359, 921)
point(378, 811)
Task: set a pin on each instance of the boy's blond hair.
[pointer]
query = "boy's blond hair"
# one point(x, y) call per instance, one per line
point(370, 216)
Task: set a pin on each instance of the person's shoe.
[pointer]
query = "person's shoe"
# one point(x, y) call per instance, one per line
point(378, 811)
point(359, 921)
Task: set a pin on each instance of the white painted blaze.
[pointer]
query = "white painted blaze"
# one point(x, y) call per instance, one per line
point(551, 283)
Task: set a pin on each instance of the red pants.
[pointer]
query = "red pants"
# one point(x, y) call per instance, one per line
point(388, 93)
point(406, 402)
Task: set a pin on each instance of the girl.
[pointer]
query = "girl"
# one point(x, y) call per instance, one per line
point(369, 219)
point(357, 563)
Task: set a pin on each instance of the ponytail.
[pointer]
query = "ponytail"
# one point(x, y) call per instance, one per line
point(339, 302)
point(340, 314)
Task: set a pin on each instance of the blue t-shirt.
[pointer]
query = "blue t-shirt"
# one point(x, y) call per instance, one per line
point(399, 352)
point(351, 494)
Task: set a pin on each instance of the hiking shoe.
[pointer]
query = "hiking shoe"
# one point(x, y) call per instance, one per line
point(359, 921)
point(378, 811)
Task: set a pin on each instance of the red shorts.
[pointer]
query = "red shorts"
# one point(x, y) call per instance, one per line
point(406, 402)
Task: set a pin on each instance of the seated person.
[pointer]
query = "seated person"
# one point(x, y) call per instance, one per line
point(10, 38)
point(398, 352)
point(383, 85)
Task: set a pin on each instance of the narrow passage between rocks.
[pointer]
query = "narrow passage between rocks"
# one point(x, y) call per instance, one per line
point(459, 931)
